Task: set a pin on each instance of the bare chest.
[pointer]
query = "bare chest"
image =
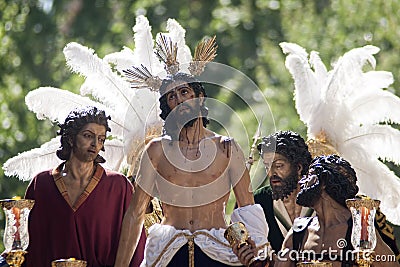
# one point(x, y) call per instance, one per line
point(194, 167)
point(75, 189)
point(320, 239)
point(185, 182)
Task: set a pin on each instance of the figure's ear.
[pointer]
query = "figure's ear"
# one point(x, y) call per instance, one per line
point(299, 169)
point(70, 141)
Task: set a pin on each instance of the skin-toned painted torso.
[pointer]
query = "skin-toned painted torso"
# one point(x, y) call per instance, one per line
point(207, 211)
point(192, 176)
point(197, 159)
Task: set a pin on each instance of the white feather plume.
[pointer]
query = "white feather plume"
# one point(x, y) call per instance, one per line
point(177, 34)
point(105, 85)
point(307, 85)
point(371, 138)
point(353, 109)
point(134, 109)
point(113, 154)
point(108, 87)
point(29, 163)
point(144, 47)
point(121, 60)
point(62, 103)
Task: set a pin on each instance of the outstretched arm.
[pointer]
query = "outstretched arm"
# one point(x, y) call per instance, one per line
point(131, 227)
point(239, 176)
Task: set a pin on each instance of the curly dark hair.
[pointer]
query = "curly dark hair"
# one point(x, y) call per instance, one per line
point(337, 175)
point(74, 123)
point(289, 144)
point(194, 84)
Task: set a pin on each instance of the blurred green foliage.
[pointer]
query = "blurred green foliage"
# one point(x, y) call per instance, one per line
point(33, 34)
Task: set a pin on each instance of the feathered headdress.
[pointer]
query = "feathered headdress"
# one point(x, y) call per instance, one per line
point(134, 113)
point(347, 112)
point(175, 56)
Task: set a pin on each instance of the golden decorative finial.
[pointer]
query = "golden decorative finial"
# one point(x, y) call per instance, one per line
point(167, 51)
point(321, 145)
point(140, 77)
point(204, 52)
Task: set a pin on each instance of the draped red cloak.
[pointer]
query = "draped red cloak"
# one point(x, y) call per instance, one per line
point(88, 230)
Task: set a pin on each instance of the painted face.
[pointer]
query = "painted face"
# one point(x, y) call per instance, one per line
point(178, 92)
point(184, 104)
point(310, 189)
point(283, 176)
point(88, 142)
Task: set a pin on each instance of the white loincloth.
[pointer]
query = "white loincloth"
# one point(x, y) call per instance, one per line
point(164, 241)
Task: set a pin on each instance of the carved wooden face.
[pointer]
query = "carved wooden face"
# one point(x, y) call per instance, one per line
point(88, 142)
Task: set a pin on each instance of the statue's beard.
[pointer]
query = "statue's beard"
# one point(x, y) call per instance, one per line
point(288, 185)
point(176, 120)
point(309, 195)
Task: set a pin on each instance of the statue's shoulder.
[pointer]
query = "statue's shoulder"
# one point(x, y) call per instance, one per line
point(155, 145)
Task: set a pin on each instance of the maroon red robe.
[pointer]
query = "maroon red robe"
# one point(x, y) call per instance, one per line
point(89, 230)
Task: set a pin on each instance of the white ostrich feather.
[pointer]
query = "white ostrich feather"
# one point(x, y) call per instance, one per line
point(307, 85)
point(144, 42)
point(318, 66)
point(293, 49)
point(364, 107)
point(341, 82)
point(371, 138)
point(106, 86)
point(144, 47)
point(62, 102)
point(177, 34)
point(136, 110)
point(29, 163)
point(352, 108)
point(377, 80)
point(121, 60)
point(113, 154)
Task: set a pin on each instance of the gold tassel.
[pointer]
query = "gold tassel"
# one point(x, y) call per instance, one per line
point(191, 250)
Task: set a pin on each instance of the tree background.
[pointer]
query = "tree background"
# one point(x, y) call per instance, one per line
point(34, 32)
